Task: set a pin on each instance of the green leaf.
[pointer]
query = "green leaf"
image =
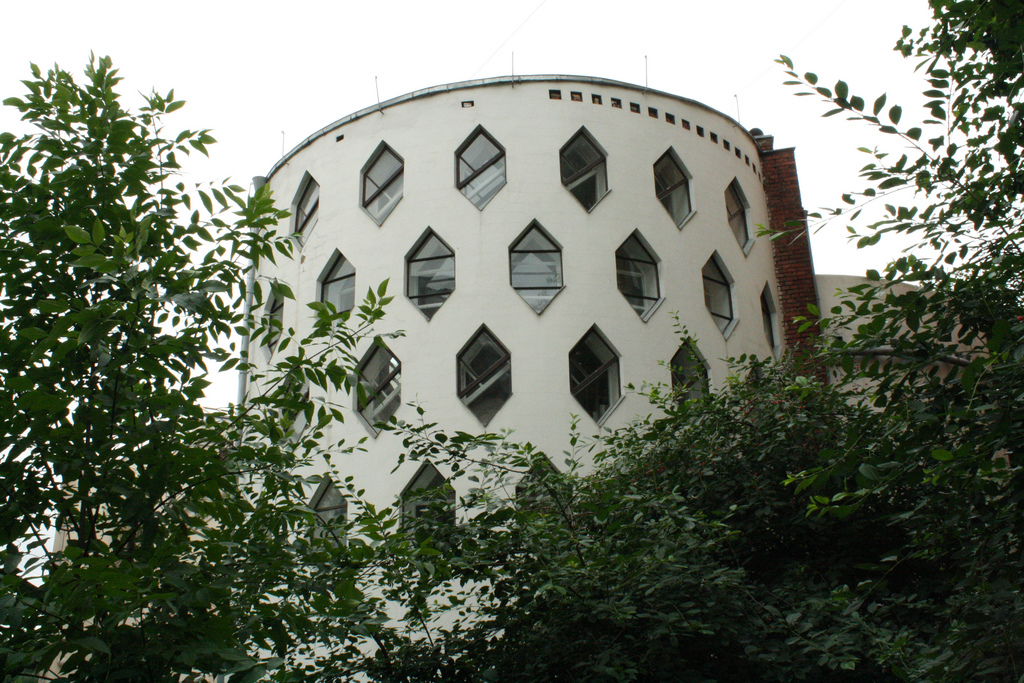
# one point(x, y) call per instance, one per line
point(78, 234)
point(942, 455)
point(879, 105)
point(894, 114)
point(869, 472)
point(98, 233)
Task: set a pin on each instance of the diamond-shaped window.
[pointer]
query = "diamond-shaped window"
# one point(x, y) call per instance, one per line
point(480, 167)
point(430, 273)
point(583, 169)
point(484, 375)
point(535, 267)
point(637, 275)
point(383, 182)
point(672, 187)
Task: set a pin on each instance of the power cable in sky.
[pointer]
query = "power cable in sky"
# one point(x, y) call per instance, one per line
point(507, 39)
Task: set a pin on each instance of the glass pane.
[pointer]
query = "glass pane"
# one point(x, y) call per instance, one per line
point(490, 395)
point(378, 367)
point(767, 319)
point(341, 268)
point(738, 223)
point(577, 156)
point(677, 203)
point(309, 198)
point(737, 214)
point(430, 282)
point(486, 185)
point(543, 269)
point(341, 293)
point(587, 357)
point(595, 388)
point(717, 296)
point(431, 248)
point(481, 355)
point(667, 174)
point(732, 201)
point(385, 166)
point(688, 373)
point(633, 249)
point(479, 152)
point(387, 199)
point(431, 277)
point(534, 240)
point(538, 298)
point(332, 504)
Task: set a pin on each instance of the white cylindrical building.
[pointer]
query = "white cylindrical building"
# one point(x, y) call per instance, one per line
point(540, 234)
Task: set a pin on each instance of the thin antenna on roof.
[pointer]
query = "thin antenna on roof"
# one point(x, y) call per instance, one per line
point(513, 69)
point(282, 143)
point(738, 108)
point(377, 88)
point(645, 73)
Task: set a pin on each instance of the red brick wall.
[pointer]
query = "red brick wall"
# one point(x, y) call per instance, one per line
point(794, 269)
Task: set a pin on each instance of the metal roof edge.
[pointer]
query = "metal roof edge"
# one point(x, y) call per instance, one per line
point(487, 82)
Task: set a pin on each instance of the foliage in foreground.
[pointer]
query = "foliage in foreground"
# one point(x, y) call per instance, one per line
point(685, 557)
point(183, 537)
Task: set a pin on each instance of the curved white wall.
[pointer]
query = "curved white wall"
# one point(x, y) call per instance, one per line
point(425, 129)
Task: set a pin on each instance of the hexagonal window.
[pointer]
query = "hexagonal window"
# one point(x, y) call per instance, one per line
point(383, 182)
point(718, 294)
point(689, 372)
point(338, 284)
point(637, 275)
point(736, 206)
point(430, 273)
point(583, 167)
point(594, 374)
point(378, 394)
point(484, 375)
point(672, 187)
point(480, 167)
point(535, 266)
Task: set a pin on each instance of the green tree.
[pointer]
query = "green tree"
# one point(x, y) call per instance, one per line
point(945, 354)
point(684, 557)
point(183, 539)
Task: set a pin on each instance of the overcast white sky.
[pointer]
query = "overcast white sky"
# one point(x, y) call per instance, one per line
point(253, 70)
point(257, 72)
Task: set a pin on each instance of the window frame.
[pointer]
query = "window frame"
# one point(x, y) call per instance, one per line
point(325, 280)
point(274, 311)
point(413, 507)
point(396, 176)
point(461, 184)
point(770, 320)
point(597, 169)
point(372, 392)
point(305, 220)
point(535, 225)
point(649, 309)
point(724, 323)
point(735, 191)
point(664, 195)
point(496, 372)
point(410, 259)
point(603, 372)
point(326, 523)
point(679, 372)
